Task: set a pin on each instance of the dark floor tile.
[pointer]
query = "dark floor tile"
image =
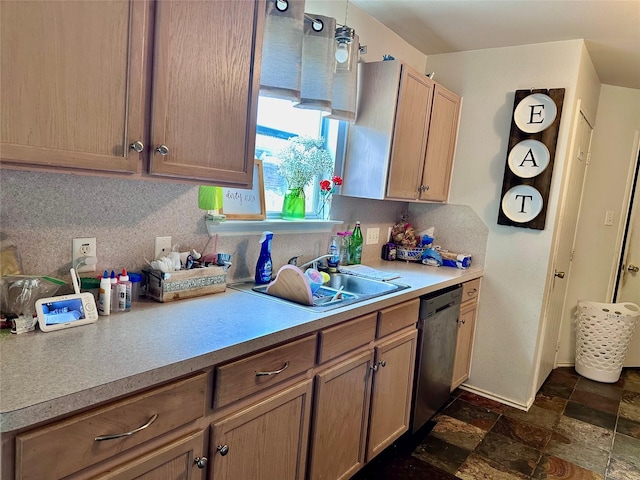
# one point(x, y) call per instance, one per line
point(590, 415)
point(563, 376)
point(483, 402)
point(555, 468)
point(536, 416)
point(609, 390)
point(477, 416)
point(621, 470)
point(585, 456)
point(512, 455)
point(630, 406)
point(477, 468)
point(523, 432)
point(627, 449)
point(457, 432)
point(576, 432)
point(407, 467)
point(441, 454)
point(631, 375)
point(557, 390)
point(593, 400)
point(628, 427)
point(555, 404)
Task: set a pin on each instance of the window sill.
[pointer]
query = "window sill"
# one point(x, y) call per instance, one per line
point(247, 227)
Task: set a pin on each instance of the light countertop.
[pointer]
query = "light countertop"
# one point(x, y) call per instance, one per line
point(46, 375)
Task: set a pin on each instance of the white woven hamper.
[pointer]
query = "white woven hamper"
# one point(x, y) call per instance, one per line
point(603, 334)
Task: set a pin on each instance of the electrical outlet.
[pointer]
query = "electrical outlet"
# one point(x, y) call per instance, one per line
point(84, 255)
point(373, 236)
point(162, 247)
point(608, 218)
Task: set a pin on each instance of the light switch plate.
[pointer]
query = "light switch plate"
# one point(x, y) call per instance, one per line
point(162, 247)
point(373, 236)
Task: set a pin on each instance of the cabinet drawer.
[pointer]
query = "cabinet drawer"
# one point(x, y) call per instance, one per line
point(470, 290)
point(345, 337)
point(249, 375)
point(67, 446)
point(397, 317)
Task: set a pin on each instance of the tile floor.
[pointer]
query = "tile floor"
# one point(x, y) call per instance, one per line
point(576, 429)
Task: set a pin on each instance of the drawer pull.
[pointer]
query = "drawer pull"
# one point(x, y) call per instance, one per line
point(472, 292)
point(275, 372)
point(200, 462)
point(222, 449)
point(126, 434)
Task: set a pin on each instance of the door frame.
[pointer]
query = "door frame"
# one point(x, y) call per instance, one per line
point(631, 191)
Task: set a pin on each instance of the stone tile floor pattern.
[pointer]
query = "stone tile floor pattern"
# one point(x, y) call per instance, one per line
point(576, 429)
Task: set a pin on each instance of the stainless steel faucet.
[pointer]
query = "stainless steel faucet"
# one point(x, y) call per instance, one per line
point(314, 262)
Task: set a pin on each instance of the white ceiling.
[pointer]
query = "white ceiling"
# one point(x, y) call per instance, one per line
point(610, 28)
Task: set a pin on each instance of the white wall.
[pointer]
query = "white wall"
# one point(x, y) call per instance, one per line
point(612, 157)
point(513, 288)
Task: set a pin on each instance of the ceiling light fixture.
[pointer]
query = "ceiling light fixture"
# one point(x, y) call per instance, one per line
point(344, 36)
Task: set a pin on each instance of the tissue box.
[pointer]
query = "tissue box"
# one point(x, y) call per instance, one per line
point(167, 287)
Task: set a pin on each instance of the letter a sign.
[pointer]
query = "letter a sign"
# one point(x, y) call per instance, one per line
point(532, 147)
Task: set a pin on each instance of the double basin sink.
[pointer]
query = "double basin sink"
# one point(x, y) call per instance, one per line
point(341, 290)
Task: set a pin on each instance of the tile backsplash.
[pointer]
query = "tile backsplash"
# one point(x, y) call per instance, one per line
point(42, 212)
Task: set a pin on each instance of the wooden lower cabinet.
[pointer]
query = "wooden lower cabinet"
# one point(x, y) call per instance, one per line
point(267, 440)
point(392, 389)
point(340, 419)
point(466, 332)
point(361, 406)
point(182, 459)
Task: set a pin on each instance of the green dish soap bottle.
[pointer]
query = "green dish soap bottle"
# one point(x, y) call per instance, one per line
point(355, 247)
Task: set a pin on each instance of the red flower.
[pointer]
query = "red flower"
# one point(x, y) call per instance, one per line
point(325, 185)
point(337, 180)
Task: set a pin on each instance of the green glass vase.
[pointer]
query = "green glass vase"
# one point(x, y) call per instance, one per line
point(293, 207)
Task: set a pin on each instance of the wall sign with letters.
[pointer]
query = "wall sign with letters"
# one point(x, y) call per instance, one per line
point(532, 147)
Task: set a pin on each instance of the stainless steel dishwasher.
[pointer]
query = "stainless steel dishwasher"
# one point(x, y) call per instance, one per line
point(437, 334)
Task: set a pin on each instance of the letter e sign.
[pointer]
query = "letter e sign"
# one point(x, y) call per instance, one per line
point(532, 145)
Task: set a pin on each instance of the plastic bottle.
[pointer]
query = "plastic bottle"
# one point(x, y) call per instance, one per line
point(355, 251)
point(124, 291)
point(104, 302)
point(334, 251)
point(343, 248)
point(114, 292)
point(264, 267)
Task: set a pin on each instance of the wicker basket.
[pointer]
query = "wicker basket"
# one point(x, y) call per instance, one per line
point(409, 254)
point(603, 334)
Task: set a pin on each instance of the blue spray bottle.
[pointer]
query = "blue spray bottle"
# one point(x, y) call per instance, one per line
point(264, 267)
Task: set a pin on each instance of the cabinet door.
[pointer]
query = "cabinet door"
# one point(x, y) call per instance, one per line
point(265, 441)
point(464, 344)
point(183, 459)
point(392, 389)
point(72, 83)
point(341, 414)
point(441, 145)
point(410, 134)
point(205, 88)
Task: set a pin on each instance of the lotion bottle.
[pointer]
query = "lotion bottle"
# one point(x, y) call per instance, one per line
point(104, 300)
point(114, 292)
point(264, 267)
point(124, 291)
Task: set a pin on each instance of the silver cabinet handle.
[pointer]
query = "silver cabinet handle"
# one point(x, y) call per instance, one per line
point(200, 462)
point(163, 150)
point(222, 449)
point(374, 367)
point(137, 146)
point(559, 274)
point(275, 372)
point(633, 268)
point(101, 438)
point(472, 292)
point(382, 363)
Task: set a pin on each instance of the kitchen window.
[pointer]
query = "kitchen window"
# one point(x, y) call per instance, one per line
point(278, 120)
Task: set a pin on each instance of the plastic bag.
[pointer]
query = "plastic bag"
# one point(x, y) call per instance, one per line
point(18, 293)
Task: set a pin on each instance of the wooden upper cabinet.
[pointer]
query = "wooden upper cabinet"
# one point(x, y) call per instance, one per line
point(77, 79)
point(71, 93)
point(441, 145)
point(205, 87)
point(402, 144)
point(410, 134)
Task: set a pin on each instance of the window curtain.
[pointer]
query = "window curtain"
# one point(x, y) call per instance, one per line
point(298, 61)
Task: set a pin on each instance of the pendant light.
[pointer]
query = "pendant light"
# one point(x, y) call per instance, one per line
point(345, 44)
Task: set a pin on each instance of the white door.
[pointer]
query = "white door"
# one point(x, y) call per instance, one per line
point(570, 210)
point(629, 283)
